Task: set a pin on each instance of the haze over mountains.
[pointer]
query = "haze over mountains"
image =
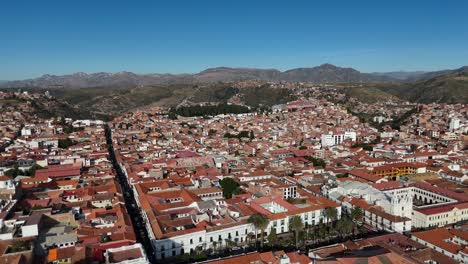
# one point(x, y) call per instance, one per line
point(325, 73)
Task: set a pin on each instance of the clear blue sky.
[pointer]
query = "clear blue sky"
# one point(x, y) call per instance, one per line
point(59, 37)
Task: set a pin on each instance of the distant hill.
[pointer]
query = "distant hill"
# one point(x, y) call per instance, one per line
point(430, 75)
point(100, 79)
point(104, 93)
point(325, 73)
point(369, 94)
point(449, 88)
point(400, 75)
point(328, 73)
point(44, 107)
point(223, 74)
point(115, 100)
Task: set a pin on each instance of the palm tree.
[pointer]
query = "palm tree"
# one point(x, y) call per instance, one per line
point(250, 237)
point(331, 213)
point(229, 244)
point(296, 224)
point(344, 226)
point(259, 222)
point(322, 231)
point(356, 215)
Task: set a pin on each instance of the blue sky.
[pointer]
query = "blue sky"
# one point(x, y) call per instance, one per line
point(60, 37)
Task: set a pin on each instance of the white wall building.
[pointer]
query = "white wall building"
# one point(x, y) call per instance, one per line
point(338, 138)
point(454, 124)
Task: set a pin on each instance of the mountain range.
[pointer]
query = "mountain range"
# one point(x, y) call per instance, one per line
point(325, 73)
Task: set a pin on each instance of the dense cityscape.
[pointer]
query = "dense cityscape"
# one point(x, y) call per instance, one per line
point(307, 181)
point(234, 132)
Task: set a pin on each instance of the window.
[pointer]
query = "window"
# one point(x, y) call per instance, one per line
point(191, 241)
point(200, 239)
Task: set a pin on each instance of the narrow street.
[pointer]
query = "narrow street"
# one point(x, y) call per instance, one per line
point(135, 214)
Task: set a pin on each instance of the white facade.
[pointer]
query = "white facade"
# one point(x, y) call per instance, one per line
point(239, 233)
point(443, 218)
point(337, 139)
point(396, 202)
point(454, 124)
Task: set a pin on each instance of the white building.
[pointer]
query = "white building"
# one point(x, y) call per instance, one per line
point(338, 138)
point(437, 207)
point(454, 124)
point(384, 208)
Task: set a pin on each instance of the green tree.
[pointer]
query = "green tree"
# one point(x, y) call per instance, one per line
point(259, 222)
point(357, 216)
point(322, 231)
point(296, 225)
point(211, 132)
point(65, 143)
point(229, 187)
point(12, 173)
point(18, 246)
point(272, 237)
point(344, 226)
point(243, 134)
point(317, 161)
point(331, 214)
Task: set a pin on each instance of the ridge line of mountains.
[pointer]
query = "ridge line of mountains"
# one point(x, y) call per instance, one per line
point(325, 73)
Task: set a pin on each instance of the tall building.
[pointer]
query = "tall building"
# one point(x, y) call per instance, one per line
point(454, 124)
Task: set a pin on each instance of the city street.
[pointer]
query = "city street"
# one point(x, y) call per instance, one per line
point(135, 214)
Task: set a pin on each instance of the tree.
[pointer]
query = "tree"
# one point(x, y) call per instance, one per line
point(296, 225)
point(229, 187)
point(172, 116)
point(18, 246)
point(356, 216)
point(215, 244)
point(322, 230)
point(211, 132)
point(344, 226)
point(331, 213)
point(259, 222)
point(198, 110)
point(316, 161)
point(65, 143)
point(272, 237)
point(252, 136)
